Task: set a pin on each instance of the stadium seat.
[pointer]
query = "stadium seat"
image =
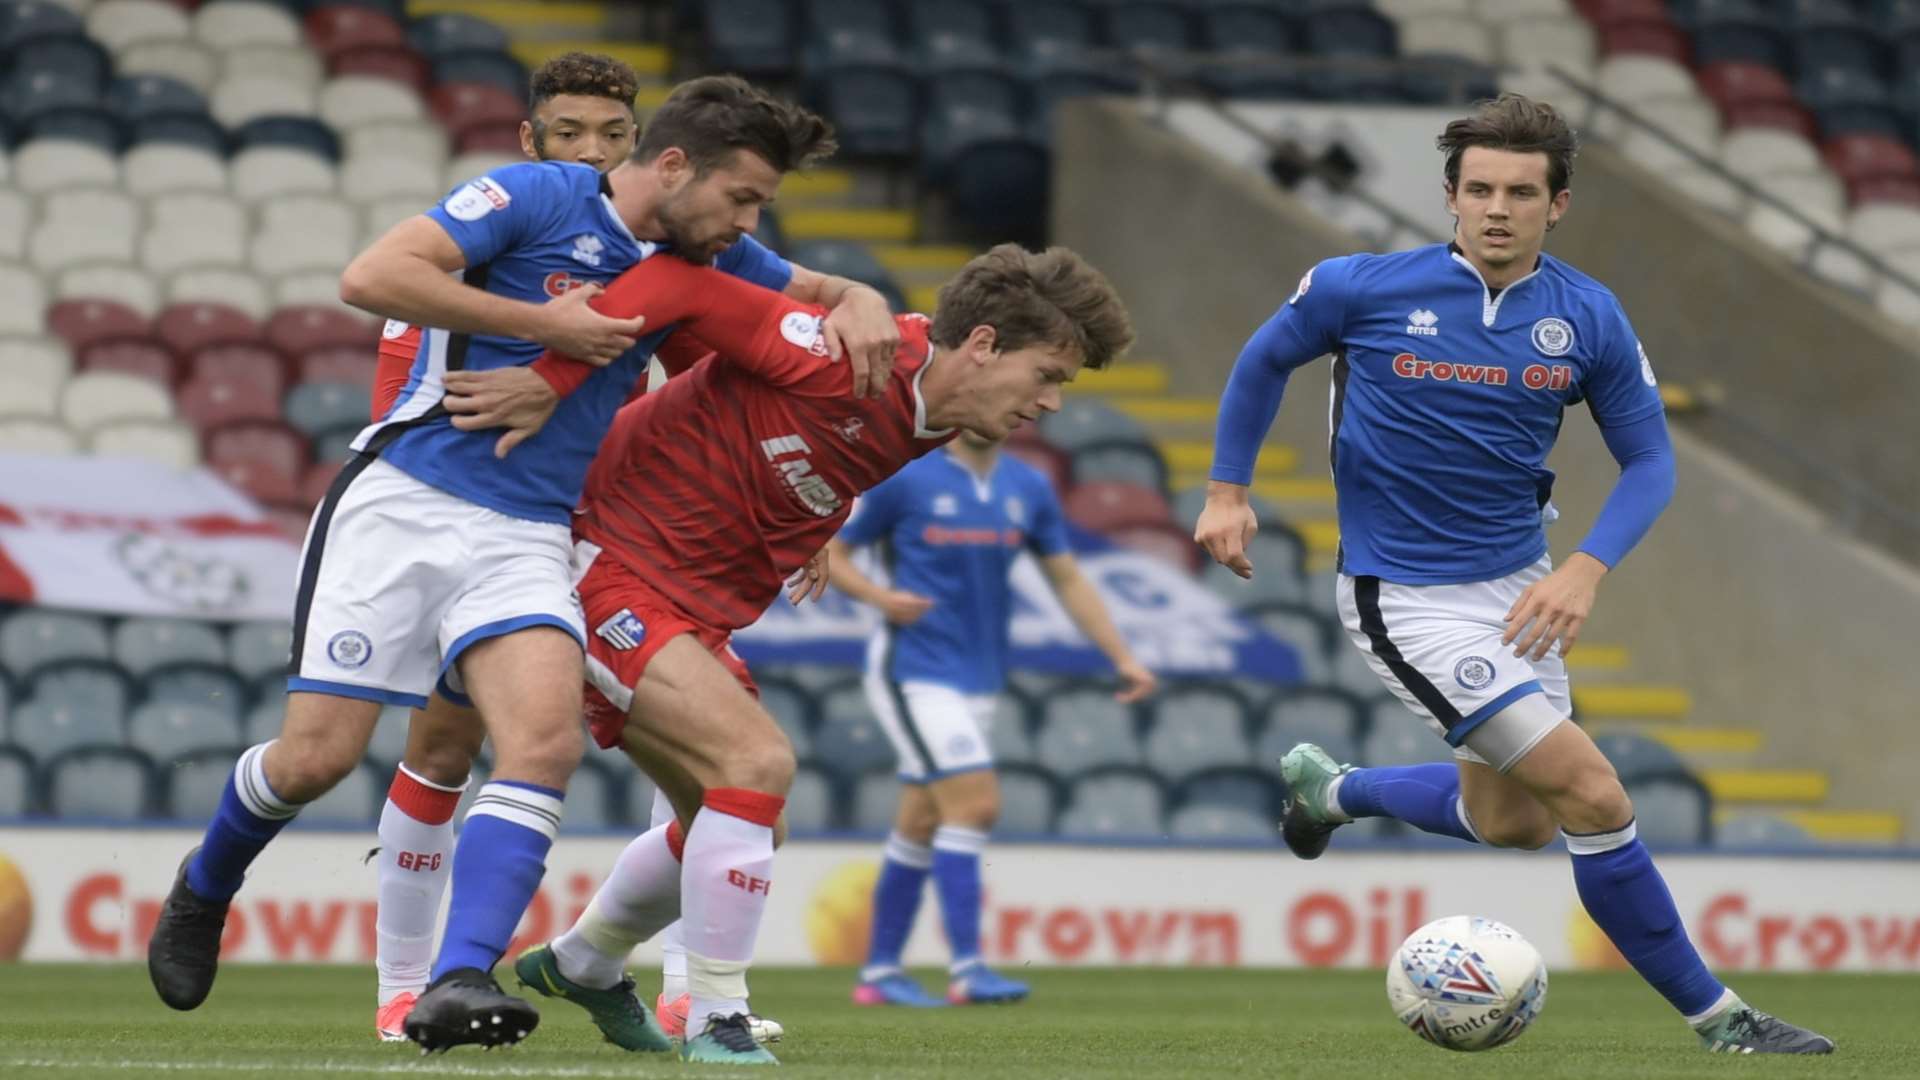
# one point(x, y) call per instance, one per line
point(241, 361)
point(1636, 756)
point(1884, 226)
point(188, 62)
point(1150, 25)
point(1212, 823)
point(104, 783)
point(120, 23)
point(1403, 744)
point(263, 721)
point(494, 139)
point(1644, 38)
point(159, 441)
point(425, 139)
point(143, 99)
point(295, 64)
point(45, 360)
point(1114, 803)
point(241, 99)
point(876, 802)
point(165, 732)
point(141, 644)
point(88, 683)
point(190, 327)
point(809, 803)
point(1738, 31)
point(305, 249)
point(16, 216)
point(870, 94)
point(848, 259)
point(48, 730)
point(1447, 35)
point(1102, 505)
point(458, 105)
point(752, 37)
point(1692, 122)
point(298, 330)
point(23, 300)
point(1197, 728)
point(365, 179)
point(93, 398)
point(337, 364)
point(199, 211)
point(349, 100)
point(1815, 195)
point(791, 706)
point(596, 797)
point(1029, 798)
point(1009, 735)
point(45, 165)
point(310, 288)
point(1087, 421)
point(255, 649)
point(400, 65)
point(264, 444)
point(17, 795)
point(35, 20)
point(352, 803)
point(231, 286)
point(1081, 728)
point(1169, 543)
point(1672, 811)
point(993, 169)
point(1762, 832)
point(1312, 635)
point(336, 27)
point(31, 398)
point(449, 32)
point(316, 407)
point(1744, 83)
point(260, 173)
point(194, 784)
point(230, 24)
point(186, 683)
point(1863, 158)
point(389, 742)
point(1330, 717)
point(36, 435)
point(1849, 101)
point(1121, 461)
point(848, 741)
point(482, 66)
point(1251, 788)
point(156, 168)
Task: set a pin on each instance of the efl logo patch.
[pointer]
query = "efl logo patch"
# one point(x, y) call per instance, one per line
point(1646, 366)
point(623, 631)
point(1553, 337)
point(477, 199)
point(803, 329)
point(1474, 673)
point(350, 649)
point(1306, 282)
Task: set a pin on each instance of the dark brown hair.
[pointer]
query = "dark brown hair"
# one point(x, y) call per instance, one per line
point(1052, 297)
point(711, 117)
point(585, 74)
point(1519, 124)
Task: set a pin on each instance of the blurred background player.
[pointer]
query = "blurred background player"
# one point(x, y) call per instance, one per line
point(685, 538)
point(949, 527)
point(580, 110)
point(1445, 583)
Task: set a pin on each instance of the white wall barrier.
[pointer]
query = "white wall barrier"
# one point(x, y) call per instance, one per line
point(82, 894)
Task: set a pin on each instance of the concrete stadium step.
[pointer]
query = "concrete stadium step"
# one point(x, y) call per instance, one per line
point(1698, 740)
point(645, 59)
point(943, 260)
point(1797, 786)
point(583, 19)
point(871, 224)
point(1186, 456)
point(1125, 378)
point(1171, 410)
point(1849, 826)
point(1630, 701)
point(1591, 659)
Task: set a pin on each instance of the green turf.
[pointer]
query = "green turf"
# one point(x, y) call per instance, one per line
point(291, 1023)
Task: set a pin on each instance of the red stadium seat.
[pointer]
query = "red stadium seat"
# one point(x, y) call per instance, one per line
point(460, 105)
point(491, 138)
point(84, 322)
point(1601, 12)
point(260, 479)
point(207, 402)
point(1052, 463)
point(133, 356)
point(319, 477)
point(1730, 85)
point(188, 328)
point(1643, 37)
point(338, 27)
point(1109, 504)
point(339, 364)
point(267, 442)
point(303, 328)
point(397, 62)
point(1168, 543)
point(1859, 158)
point(256, 364)
point(1902, 190)
point(1770, 114)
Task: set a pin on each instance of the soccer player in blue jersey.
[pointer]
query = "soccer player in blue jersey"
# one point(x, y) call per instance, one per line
point(1453, 366)
point(432, 564)
point(950, 526)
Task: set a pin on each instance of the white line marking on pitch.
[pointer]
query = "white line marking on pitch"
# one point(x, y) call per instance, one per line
point(346, 1068)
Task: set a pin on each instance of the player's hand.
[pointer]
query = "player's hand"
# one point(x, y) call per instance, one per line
point(810, 581)
point(861, 330)
point(571, 328)
point(1554, 608)
point(1136, 682)
point(515, 398)
point(1226, 526)
point(902, 608)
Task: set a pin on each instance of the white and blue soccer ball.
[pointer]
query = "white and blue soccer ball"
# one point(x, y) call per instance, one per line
point(1467, 983)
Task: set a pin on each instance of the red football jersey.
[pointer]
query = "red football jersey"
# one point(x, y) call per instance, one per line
point(724, 481)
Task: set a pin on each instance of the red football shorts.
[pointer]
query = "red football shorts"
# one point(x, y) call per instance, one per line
point(629, 622)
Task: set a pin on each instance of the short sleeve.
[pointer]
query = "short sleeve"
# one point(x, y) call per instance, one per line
point(1047, 524)
point(1621, 388)
point(876, 512)
point(751, 260)
point(494, 213)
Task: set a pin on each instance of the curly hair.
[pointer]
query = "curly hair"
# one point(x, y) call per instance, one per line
point(585, 74)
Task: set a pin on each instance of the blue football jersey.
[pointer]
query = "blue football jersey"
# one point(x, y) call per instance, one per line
point(530, 231)
point(950, 535)
point(1447, 398)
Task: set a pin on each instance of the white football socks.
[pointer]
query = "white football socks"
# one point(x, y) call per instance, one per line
point(640, 897)
point(729, 872)
point(415, 863)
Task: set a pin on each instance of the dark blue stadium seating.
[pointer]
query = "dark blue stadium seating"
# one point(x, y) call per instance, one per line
point(298, 132)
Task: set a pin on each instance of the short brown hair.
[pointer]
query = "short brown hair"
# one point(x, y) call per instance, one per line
point(1518, 124)
point(586, 75)
point(1052, 297)
point(711, 117)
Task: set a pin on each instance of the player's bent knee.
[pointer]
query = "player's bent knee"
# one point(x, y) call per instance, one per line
point(763, 763)
point(1531, 833)
point(548, 757)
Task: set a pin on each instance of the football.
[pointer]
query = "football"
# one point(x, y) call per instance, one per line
point(1467, 983)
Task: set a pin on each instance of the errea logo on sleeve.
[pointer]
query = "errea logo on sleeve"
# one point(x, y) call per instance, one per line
point(477, 199)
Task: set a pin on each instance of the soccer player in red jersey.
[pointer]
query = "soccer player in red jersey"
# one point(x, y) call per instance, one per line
point(708, 494)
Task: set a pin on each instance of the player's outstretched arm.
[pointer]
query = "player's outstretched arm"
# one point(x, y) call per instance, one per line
point(1090, 614)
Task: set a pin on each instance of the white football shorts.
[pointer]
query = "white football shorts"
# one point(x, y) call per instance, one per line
point(1437, 647)
point(936, 731)
point(398, 578)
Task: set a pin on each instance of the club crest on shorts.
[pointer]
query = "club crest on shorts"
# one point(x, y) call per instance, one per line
point(1553, 337)
point(350, 649)
point(1474, 672)
point(623, 630)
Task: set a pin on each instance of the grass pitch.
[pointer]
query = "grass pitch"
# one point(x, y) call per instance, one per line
point(293, 1023)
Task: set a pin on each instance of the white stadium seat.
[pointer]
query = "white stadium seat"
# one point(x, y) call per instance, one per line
point(51, 164)
point(1446, 35)
point(162, 167)
point(241, 98)
point(1563, 40)
point(29, 397)
point(203, 210)
point(92, 398)
point(1817, 196)
point(1844, 270)
point(16, 211)
point(36, 435)
point(312, 213)
point(6, 166)
point(366, 179)
point(467, 166)
point(288, 63)
point(265, 172)
point(1894, 299)
point(120, 23)
point(169, 250)
point(1710, 188)
point(352, 100)
point(1754, 152)
point(423, 139)
point(315, 288)
point(1499, 11)
point(1634, 77)
point(26, 359)
point(165, 441)
point(189, 61)
point(1410, 9)
point(57, 245)
point(124, 282)
point(230, 25)
point(1693, 122)
point(107, 207)
point(1885, 227)
point(279, 253)
point(23, 300)
point(383, 214)
point(231, 284)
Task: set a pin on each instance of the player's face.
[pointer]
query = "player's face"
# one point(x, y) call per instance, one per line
point(590, 130)
point(1504, 207)
point(704, 215)
point(1011, 388)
